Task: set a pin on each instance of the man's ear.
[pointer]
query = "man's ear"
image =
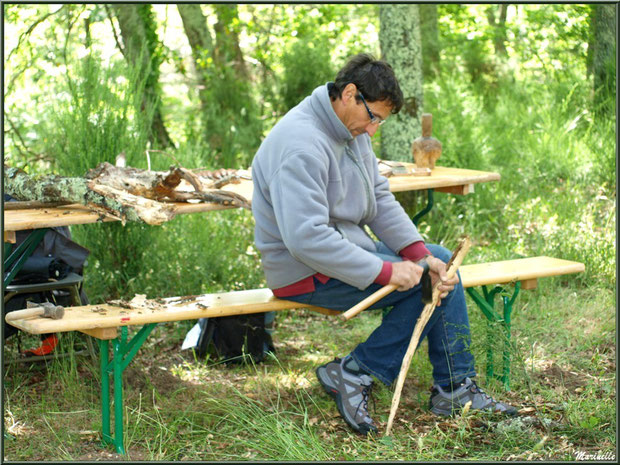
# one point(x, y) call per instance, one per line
point(348, 93)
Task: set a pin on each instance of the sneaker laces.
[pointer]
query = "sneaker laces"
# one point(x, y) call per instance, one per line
point(367, 386)
point(477, 389)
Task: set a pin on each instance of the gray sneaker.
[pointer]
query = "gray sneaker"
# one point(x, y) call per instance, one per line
point(448, 403)
point(351, 391)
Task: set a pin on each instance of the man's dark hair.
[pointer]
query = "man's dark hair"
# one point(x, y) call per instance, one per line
point(375, 79)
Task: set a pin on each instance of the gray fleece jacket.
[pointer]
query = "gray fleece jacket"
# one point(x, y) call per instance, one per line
point(315, 188)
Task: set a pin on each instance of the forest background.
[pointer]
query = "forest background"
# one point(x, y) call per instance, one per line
point(528, 91)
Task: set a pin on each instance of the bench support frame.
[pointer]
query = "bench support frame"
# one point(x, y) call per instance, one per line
point(486, 303)
point(429, 206)
point(123, 353)
point(20, 255)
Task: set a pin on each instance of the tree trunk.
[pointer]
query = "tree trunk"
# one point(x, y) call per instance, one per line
point(227, 49)
point(603, 55)
point(201, 43)
point(429, 32)
point(400, 44)
point(141, 48)
point(228, 108)
point(499, 27)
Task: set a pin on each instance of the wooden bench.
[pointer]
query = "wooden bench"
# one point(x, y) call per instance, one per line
point(105, 321)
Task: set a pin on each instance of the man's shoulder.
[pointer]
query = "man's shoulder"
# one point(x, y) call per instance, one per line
point(299, 128)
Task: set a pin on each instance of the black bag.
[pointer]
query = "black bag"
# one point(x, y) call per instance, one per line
point(235, 336)
point(55, 257)
point(37, 269)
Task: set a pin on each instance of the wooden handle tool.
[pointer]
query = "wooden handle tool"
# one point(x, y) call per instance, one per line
point(385, 290)
point(45, 310)
point(453, 265)
point(368, 301)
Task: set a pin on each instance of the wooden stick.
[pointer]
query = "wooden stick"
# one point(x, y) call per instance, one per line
point(453, 264)
point(368, 301)
point(24, 205)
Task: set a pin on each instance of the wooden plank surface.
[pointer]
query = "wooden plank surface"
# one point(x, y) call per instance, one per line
point(92, 317)
point(521, 269)
point(17, 220)
point(440, 177)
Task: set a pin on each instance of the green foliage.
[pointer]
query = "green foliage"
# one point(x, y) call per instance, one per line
point(99, 114)
point(193, 254)
point(230, 121)
point(556, 159)
point(307, 64)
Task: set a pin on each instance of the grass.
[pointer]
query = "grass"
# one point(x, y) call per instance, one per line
point(181, 408)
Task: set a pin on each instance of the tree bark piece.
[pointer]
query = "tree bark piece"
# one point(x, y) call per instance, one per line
point(453, 265)
point(127, 194)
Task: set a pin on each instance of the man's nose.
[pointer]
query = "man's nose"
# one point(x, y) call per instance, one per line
point(371, 129)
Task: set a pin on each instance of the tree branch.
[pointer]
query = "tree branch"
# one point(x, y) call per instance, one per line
point(26, 33)
point(118, 44)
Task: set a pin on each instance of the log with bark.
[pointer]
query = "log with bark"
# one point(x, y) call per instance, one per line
point(127, 194)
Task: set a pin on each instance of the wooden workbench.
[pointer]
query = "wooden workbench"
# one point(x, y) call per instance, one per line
point(442, 179)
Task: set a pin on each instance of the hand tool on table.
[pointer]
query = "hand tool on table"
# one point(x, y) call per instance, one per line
point(453, 265)
point(45, 310)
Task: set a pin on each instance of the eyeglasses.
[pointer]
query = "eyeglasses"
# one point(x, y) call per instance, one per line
point(373, 119)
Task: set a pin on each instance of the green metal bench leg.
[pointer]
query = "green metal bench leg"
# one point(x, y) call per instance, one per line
point(118, 345)
point(490, 340)
point(105, 392)
point(123, 353)
point(487, 306)
point(425, 210)
point(507, 324)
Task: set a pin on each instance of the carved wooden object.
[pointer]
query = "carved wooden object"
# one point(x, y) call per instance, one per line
point(426, 149)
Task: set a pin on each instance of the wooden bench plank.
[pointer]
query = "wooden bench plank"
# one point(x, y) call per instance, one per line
point(92, 318)
point(522, 269)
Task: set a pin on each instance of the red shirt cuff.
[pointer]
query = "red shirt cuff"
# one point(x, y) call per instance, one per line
point(385, 275)
point(415, 251)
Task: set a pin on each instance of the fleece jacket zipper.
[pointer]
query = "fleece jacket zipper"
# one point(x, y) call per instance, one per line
point(363, 174)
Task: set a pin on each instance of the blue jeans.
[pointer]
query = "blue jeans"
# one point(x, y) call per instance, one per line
point(382, 353)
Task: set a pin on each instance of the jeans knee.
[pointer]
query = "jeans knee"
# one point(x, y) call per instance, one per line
point(440, 252)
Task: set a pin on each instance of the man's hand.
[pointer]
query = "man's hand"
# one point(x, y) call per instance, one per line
point(407, 274)
point(437, 270)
